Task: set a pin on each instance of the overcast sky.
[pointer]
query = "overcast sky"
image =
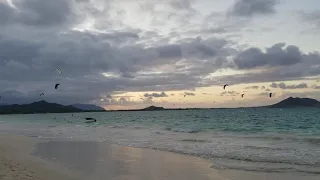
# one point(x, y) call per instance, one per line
point(173, 53)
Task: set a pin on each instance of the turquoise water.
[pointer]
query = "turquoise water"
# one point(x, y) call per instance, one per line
point(303, 121)
point(269, 140)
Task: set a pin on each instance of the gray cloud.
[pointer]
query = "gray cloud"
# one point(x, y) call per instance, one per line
point(274, 56)
point(267, 94)
point(274, 85)
point(39, 37)
point(252, 87)
point(315, 86)
point(312, 18)
point(39, 13)
point(284, 86)
point(229, 93)
point(170, 51)
point(156, 95)
point(181, 4)
point(249, 8)
point(189, 94)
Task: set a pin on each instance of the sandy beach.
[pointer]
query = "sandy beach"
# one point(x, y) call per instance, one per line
point(23, 157)
point(88, 160)
point(16, 163)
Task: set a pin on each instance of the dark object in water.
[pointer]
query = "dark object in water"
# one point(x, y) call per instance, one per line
point(90, 120)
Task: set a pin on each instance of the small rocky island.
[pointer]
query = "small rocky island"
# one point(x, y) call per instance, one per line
point(153, 108)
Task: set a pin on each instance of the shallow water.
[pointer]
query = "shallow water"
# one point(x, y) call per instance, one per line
point(105, 161)
point(268, 140)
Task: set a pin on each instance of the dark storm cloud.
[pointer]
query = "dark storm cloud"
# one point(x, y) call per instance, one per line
point(156, 95)
point(284, 86)
point(249, 8)
point(276, 55)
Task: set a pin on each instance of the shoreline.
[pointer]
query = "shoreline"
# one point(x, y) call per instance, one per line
point(142, 161)
point(19, 159)
point(183, 143)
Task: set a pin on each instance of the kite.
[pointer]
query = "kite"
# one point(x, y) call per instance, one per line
point(56, 86)
point(58, 70)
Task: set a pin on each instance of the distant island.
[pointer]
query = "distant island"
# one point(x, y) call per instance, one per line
point(296, 102)
point(46, 107)
point(40, 107)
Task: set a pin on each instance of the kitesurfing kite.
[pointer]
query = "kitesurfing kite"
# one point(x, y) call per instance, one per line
point(58, 70)
point(242, 95)
point(270, 94)
point(224, 87)
point(56, 86)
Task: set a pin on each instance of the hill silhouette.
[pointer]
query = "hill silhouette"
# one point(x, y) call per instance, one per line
point(296, 102)
point(46, 107)
point(88, 107)
point(37, 107)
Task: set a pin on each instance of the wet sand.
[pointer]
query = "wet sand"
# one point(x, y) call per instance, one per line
point(94, 161)
point(114, 162)
point(31, 158)
point(16, 163)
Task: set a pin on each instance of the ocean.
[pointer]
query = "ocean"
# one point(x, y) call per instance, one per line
point(255, 139)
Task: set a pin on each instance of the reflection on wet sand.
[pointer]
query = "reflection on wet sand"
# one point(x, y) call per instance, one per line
point(106, 161)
